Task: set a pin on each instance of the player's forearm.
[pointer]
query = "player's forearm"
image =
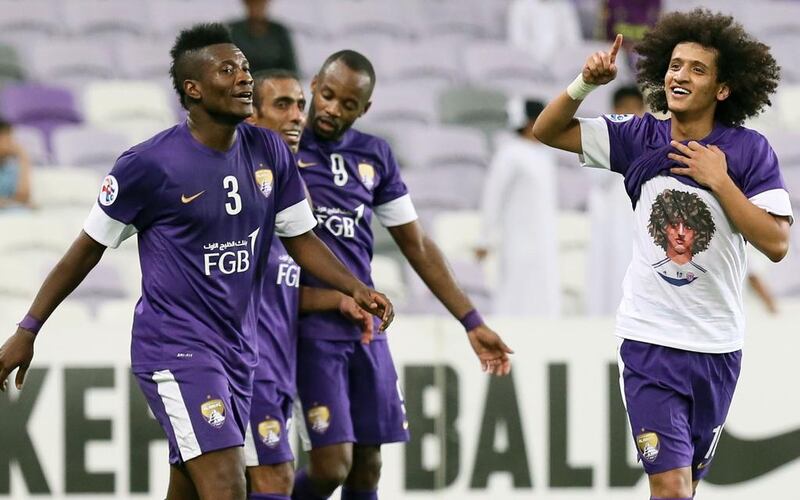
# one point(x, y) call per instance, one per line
point(311, 254)
point(67, 274)
point(767, 233)
point(430, 264)
point(556, 126)
point(319, 299)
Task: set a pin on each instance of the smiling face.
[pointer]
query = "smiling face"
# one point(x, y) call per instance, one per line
point(339, 96)
point(282, 109)
point(691, 80)
point(224, 88)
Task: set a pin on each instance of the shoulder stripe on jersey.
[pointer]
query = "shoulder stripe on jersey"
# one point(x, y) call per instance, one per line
point(697, 266)
point(661, 262)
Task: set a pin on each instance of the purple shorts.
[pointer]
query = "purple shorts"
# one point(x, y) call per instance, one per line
point(267, 438)
point(350, 393)
point(677, 402)
point(198, 407)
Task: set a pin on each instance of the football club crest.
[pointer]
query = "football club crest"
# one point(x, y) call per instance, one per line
point(367, 174)
point(270, 432)
point(213, 411)
point(319, 419)
point(264, 181)
point(648, 445)
point(108, 191)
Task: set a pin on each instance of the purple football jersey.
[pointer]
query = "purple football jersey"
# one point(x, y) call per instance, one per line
point(277, 320)
point(348, 180)
point(205, 220)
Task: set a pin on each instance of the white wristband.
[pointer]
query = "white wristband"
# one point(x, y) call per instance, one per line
point(579, 89)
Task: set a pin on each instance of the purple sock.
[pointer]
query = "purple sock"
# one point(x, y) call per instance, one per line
point(303, 489)
point(359, 495)
point(267, 496)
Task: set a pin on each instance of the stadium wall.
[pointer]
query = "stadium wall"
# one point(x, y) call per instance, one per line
point(554, 430)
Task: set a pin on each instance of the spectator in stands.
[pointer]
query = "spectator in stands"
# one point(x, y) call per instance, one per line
point(628, 100)
point(14, 170)
point(631, 18)
point(519, 221)
point(265, 43)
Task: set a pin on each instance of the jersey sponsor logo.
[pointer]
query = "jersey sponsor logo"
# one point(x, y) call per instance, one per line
point(648, 445)
point(109, 191)
point(288, 272)
point(264, 179)
point(618, 118)
point(304, 164)
point(270, 432)
point(213, 411)
point(339, 222)
point(188, 199)
point(319, 419)
point(229, 257)
point(367, 174)
point(682, 225)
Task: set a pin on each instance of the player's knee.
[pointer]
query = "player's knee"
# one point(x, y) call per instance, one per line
point(671, 484)
point(366, 470)
point(272, 478)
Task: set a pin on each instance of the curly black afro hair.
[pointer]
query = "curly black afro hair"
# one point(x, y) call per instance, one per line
point(743, 63)
point(671, 207)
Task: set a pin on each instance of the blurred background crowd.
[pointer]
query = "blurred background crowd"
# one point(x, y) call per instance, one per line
point(459, 83)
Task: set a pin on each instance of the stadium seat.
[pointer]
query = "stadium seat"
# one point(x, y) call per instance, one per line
point(144, 59)
point(40, 106)
point(776, 17)
point(787, 102)
point(498, 64)
point(454, 20)
point(310, 54)
point(10, 68)
point(470, 277)
point(474, 107)
point(439, 146)
point(385, 18)
point(452, 187)
point(137, 109)
point(71, 62)
point(23, 23)
point(387, 274)
point(302, 18)
point(168, 17)
point(420, 63)
point(55, 188)
point(403, 103)
point(34, 143)
point(786, 144)
point(543, 28)
point(458, 233)
point(99, 18)
point(88, 147)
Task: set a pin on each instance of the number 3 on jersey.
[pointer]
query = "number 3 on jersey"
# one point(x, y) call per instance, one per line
point(231, 185)
point(339, 170)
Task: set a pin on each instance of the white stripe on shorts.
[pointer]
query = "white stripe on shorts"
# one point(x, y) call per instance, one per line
point(250, 454)
point(302, 428)
point(621, 365)
point(178, 415)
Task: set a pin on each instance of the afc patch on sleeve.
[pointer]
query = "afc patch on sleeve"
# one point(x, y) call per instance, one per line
point(617, 118)
point(108, 191)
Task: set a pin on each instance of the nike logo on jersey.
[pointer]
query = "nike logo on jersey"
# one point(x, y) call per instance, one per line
point(188, 199)
point(302, 164)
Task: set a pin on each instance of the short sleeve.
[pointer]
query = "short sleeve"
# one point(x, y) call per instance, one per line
point(391, 200)
point(763, 183)
point(613, 141)
point(124, 205)
point(293, 215)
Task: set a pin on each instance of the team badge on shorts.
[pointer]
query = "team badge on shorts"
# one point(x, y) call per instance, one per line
point(270, 432)
point(264, 180)
point(367, 174)
point(319, 419)
point(648, 445)
point(214, 412)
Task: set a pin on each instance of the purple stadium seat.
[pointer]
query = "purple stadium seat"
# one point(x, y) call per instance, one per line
point(438, 146)
point(71, 62)
point(24, 22)
point(144, 58)
point(89, 147)
point(406, 103)
point(40, 106)
point(381, 17)
point(426, 63)
point(101, 17)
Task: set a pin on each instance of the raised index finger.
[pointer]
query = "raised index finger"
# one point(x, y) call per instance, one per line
point(615, 47)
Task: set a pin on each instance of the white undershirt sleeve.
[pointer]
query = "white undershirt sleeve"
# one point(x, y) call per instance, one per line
point(397, 212)
point(776, 202)
point(295, 220)
point(105, 230)
point(595, 143)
